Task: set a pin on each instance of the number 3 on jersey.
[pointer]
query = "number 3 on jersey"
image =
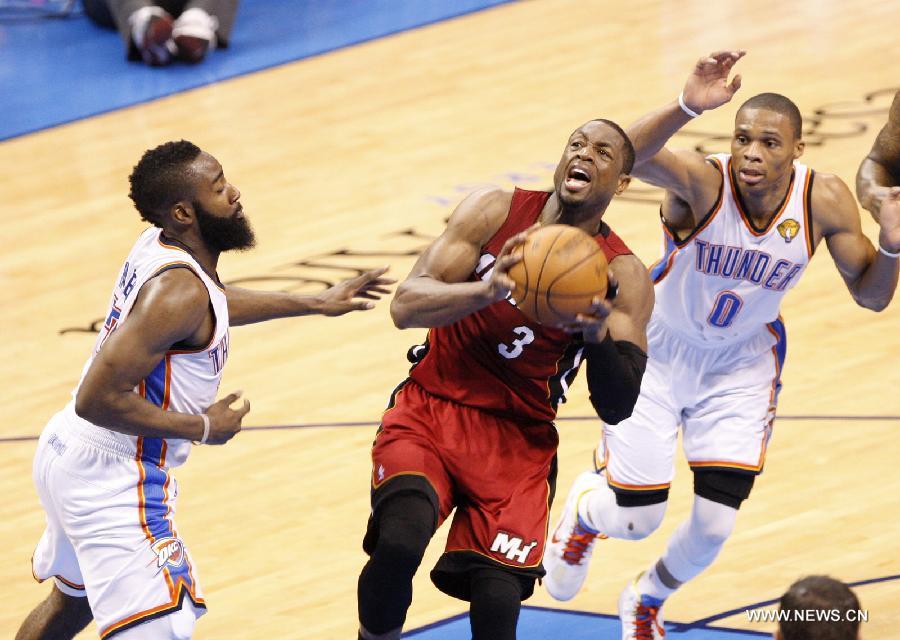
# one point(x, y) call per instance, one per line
point(526, 336)
point(725, 309)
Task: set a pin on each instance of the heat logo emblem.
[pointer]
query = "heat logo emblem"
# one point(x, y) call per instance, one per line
point(169, 551)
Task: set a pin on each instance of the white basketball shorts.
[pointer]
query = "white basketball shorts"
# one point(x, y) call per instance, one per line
point(110, 531)
point(723, 397)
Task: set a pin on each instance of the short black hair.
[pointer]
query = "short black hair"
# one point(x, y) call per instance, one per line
point(779, 104)
point(627, 147)
point(819, 593)
point(160, 179)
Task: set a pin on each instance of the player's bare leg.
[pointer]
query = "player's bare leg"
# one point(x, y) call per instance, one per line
point(59, 617)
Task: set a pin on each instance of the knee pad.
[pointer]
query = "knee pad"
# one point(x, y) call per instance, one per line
point(730, 488)
point(405, 526)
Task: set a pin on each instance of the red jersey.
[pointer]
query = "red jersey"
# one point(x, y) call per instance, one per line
point(498, 359)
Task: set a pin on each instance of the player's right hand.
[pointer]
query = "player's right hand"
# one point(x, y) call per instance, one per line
point(707, 87)
point(225, 422)
point(501, 285)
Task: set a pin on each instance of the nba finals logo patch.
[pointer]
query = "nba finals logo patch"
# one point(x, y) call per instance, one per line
point(788, 229)
point(169, 551)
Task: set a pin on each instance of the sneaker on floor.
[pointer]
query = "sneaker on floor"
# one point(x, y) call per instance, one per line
point(568, 553)
point(195, 35)
point(151, 30)
point(640, 614)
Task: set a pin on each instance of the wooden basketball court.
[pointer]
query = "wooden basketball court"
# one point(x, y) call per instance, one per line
point(352, 160)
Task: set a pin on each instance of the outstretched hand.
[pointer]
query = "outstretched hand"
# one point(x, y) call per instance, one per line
point(889, 219)
point(707, 87)
point(356, 294)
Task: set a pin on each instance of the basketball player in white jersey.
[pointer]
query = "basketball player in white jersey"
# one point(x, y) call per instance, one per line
point(103, 464)
point(739, 230)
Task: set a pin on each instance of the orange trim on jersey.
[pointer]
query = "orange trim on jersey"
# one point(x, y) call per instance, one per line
point(142, 499)
point(737, 201)
point(728, 464)
point(807, 213)
point(166, 397)
point(636, 487)
point(679, 244)
point(71, 585)
point(174, 605)
point(215, 280)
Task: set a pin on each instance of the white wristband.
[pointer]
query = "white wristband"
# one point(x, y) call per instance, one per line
point(205, 429)
point(888, 253)
point(684, 107)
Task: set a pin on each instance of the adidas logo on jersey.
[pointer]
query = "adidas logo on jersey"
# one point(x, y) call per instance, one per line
point(168, 551)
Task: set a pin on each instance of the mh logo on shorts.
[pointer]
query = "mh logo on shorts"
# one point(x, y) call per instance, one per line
point(168, 551)
point(512, 547)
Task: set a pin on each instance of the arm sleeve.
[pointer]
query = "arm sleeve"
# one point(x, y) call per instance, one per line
point(614, 372)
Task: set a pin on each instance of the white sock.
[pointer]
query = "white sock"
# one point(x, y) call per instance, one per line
point(693, 547)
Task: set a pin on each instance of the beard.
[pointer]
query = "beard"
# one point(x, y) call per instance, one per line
point(224, 234)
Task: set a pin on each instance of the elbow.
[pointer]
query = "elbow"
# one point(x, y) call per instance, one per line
point(614, 413)
point(85, 406)
point(875, 304)
point(400, 314)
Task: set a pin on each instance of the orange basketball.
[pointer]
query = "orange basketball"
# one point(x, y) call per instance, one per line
point(561, 271)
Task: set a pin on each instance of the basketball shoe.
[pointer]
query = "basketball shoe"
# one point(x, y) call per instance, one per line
point(151, 31)
point(568, 555)
point(640, 614)
point(195, 34)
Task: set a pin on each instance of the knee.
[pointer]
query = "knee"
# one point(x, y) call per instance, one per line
point(713, 532)
point(640, 522)
point(403, 553)
point(75, 611)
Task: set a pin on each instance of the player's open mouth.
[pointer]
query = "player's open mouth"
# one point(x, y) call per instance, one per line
point(751, 176)
point(577, 179)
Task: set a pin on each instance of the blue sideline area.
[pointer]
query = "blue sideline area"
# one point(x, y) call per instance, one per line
point(56, 70)
point(540, 623)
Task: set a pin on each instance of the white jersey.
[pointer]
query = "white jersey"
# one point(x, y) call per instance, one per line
point(725, 281)
point(185, 381)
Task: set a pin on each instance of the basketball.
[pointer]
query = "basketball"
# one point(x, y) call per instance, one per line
point(562, 270)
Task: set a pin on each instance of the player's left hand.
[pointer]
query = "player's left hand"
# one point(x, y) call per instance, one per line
point(592, 325)
point(889, 219)
point(355, 294)
point(707, 87)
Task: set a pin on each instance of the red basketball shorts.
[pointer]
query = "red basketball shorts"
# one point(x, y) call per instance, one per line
point(498, 473)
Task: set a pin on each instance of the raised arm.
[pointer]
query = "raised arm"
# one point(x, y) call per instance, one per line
point(436, 293)
point(880, 170)
point(247, 306)
point(686, 174)
point(171, 309)
point(870, 274)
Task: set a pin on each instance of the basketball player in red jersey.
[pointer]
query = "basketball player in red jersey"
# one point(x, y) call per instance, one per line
point(472, 427)
point(880, 170)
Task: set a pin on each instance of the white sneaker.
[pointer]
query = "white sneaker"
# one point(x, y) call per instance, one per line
point(568, 554)
point(641, 615)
